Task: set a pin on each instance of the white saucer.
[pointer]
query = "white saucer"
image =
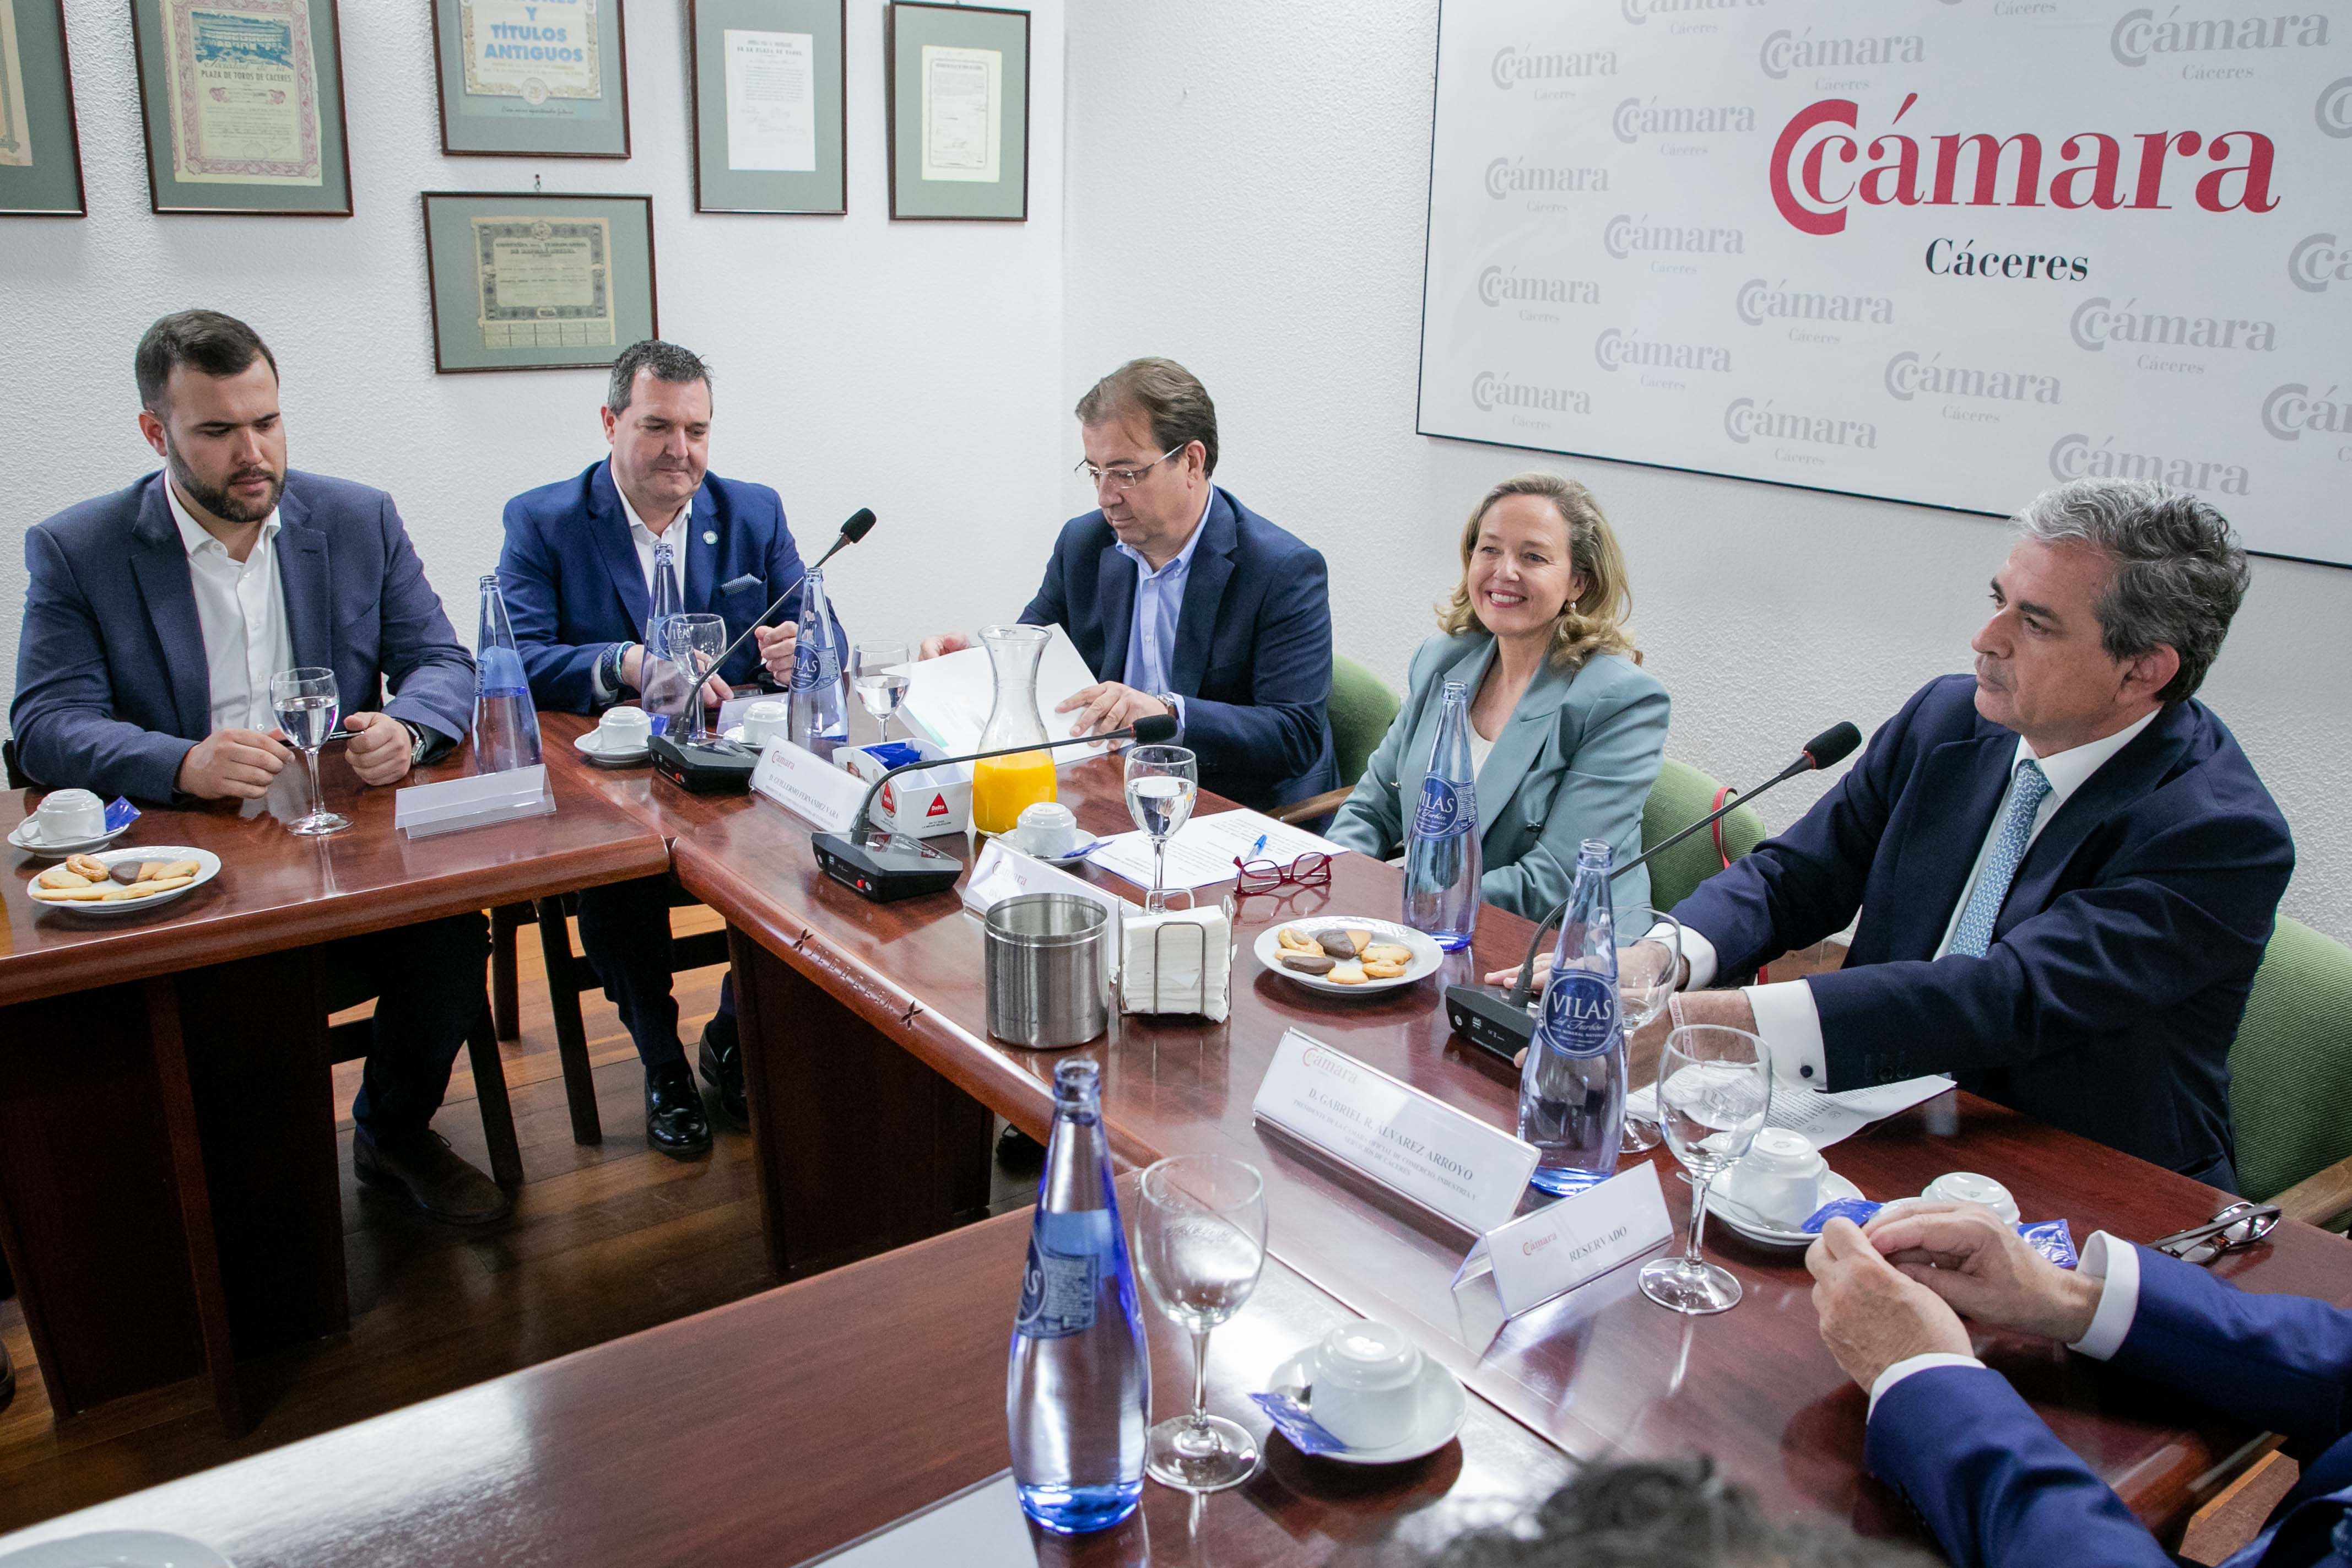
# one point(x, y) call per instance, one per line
point(118, 1549)
point(597, 753)
point(1754, 1227)
point(21, 836)
point(1439, 1411)
point(1428, 958)
point(208, 866)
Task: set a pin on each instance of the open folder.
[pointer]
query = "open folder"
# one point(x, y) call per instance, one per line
point(949, 698)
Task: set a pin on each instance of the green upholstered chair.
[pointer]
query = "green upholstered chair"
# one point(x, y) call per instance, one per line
point(1681, 797)
point(2291, 1078)
point(1362, 708)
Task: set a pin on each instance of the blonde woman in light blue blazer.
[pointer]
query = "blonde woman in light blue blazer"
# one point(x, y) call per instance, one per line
point(1566, 729)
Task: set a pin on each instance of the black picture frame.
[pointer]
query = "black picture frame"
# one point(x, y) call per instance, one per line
point(169, 194)
point(534, 131)
point(39, 188)
point(453, 273)
point(908, 25)
point(823, 192)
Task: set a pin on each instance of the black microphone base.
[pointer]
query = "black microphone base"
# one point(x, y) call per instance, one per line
point(704, 767)
point(896, 868)
point(1487, 1018)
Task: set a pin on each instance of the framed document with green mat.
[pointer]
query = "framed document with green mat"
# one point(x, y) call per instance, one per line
point(537, 281)
point(243, 104)
point(770, 117)
point(40, 147)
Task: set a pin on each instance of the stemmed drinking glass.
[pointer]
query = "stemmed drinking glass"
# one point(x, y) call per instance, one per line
point(1201, 1244)
point(308, 706)
point(1162, 782)
point(694, 644)
point(878, 673)
point(1715, 1086)
point(1648, 960)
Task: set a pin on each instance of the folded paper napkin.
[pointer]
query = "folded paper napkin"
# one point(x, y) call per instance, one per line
point(1187, 972)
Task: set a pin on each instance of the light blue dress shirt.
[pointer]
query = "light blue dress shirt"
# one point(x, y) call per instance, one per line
point(1159, 600)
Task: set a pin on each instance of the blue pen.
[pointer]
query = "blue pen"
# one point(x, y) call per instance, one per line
point(1255, 849)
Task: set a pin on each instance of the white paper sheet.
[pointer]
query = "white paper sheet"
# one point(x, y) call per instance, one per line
point(1826, 1119)
point(981, 1526)
point(770, 101)
point(948, 698)
point(1203, 851)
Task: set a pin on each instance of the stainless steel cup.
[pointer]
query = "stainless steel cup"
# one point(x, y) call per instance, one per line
point(1048, 961)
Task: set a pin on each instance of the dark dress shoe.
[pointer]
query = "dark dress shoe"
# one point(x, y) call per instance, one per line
point(674, 1120)
point(721, 1060)
point(427, 1174)
point(1018, 1153)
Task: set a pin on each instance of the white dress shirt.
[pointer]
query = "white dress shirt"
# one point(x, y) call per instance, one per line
point(242, 614)
point(1787, 1020)
point(644, 539)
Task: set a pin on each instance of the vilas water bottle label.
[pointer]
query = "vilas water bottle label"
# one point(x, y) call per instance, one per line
point(812, 666)
point(1446, 809)
point(1580, 1015)
point(1058, 1294)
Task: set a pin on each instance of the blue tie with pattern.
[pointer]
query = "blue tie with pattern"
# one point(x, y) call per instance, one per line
point(2027, 790)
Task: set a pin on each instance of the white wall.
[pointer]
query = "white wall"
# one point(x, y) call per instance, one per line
point(1248, 187)
point(914, 367)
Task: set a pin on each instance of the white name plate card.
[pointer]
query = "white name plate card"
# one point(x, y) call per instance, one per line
point(478, 800)
point(808, 786)
point(1445, 1160)
point(1552, 1250)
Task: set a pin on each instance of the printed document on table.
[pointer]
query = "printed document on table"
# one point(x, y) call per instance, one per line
point(1203, 851)
point(1825, 1119)
point(980, 1527)
point(948, 698)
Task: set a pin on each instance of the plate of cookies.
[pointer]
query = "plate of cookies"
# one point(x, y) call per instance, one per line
point(122, 880)
point(1348, 954)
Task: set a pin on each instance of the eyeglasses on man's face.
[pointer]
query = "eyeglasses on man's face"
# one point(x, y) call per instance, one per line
point(1123, 478)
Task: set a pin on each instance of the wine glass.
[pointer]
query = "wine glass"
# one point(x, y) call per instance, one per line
point(1201, 1244)
point(308, 706)
point(1715, 1086)
point(1649, 962)
point(1162, 782)
point(878, 673)
point(694, 643)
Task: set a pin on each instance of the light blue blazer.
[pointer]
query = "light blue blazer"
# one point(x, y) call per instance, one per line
point(1576, 761)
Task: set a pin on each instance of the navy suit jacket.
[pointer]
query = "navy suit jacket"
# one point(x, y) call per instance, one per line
point(2120, 962)
point(1253, 645)
point(1998, 1488)
point(573, 586)
point(111, 680)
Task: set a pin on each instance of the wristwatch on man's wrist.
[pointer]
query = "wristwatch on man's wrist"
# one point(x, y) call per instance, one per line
point(419, 742)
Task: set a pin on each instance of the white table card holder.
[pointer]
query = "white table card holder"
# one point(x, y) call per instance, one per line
point(420, 811)
point(808, 786)
point(1548, 1252)
point(1431, 1154)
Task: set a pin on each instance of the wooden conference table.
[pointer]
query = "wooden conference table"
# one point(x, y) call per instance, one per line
point(169, 1194)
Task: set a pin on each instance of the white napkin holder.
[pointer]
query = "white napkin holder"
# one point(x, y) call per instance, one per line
point(1179, 961)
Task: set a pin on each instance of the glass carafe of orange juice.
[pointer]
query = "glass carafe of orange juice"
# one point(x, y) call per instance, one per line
point(1003, 788)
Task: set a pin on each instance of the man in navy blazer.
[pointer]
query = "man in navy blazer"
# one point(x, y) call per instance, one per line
point(580, 559)
point(1181, 600)
point(1993, 1483)
point(2066, 868)
point(154, 681)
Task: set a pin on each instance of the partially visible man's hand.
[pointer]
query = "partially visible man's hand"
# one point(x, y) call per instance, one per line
point(778, 646)
point(1871, 1316)
point(946, 642)
point(232, 765)
point(1976, 1261)
point(378, 749)
point(1107, 705)
point(1730, 1009)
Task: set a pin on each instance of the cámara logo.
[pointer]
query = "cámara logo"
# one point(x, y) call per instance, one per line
point(1507, 175)
point(1614, 350)
point(1785, 51)
point(2099, 322)
point(2074, 457)
point(1814, 181)
point(2333, 109)
point(2290, 410)
point(1759, 302)
point(1623, 235)
point(1495, 286)
point(1907, 375)
point(2138, 34)
point(1489, 392)
point(1639, 11)
point(2317, 261)
point(1636, 118)
point(1514, 65)
point(1743, 421)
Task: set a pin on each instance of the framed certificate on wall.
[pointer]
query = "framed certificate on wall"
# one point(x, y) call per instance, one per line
point(531, 281)
point(542, 78)
point(243, 104)
point(41, 145)
point(957, 79)
point(771, 118)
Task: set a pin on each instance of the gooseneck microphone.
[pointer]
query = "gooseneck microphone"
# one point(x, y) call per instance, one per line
point(1502, 1023)
point(860, 524)
point(887, 867)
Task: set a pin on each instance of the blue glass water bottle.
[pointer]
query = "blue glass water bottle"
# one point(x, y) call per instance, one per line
point(506, 725)
point(1442, 863)
point(662, 600)
point(1572, 1086)
point(819, 714)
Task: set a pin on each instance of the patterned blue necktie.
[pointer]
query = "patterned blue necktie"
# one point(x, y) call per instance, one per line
point(1973, 935)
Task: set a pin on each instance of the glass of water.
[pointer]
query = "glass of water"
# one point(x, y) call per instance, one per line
point(308, 706)
point(1201, 1245)
point(1649, 962)
point(878, 673)
point(694, 644)
point(1162, 782)
point(1715, 1086)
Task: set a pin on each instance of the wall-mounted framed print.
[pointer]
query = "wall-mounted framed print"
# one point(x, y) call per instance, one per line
point(41, 145)
point(537, 78)
point(957, 79)
point(537, 281)
point(243, 104)
point(771, 116)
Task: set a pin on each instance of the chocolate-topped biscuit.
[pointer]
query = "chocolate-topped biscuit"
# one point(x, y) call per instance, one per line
point(124, 871)
point(1307, 963)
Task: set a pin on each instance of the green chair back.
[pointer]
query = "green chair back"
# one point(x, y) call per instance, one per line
point(1681, 797)
point(1362, 708)
point(2291, 1068)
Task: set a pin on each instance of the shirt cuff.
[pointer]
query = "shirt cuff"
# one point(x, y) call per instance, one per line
point(1698, 953)
point(2116, 1265)
point(1905, 1367)
point(1178, 703)
point(1790, 1028)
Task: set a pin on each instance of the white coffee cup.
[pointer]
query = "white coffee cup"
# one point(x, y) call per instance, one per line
point(623, 730)
point(1781, 1178)
point(1048, 828)
point(765, 721)
point(70, 817)
point(1366, 1384)
point(1967, 1187)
